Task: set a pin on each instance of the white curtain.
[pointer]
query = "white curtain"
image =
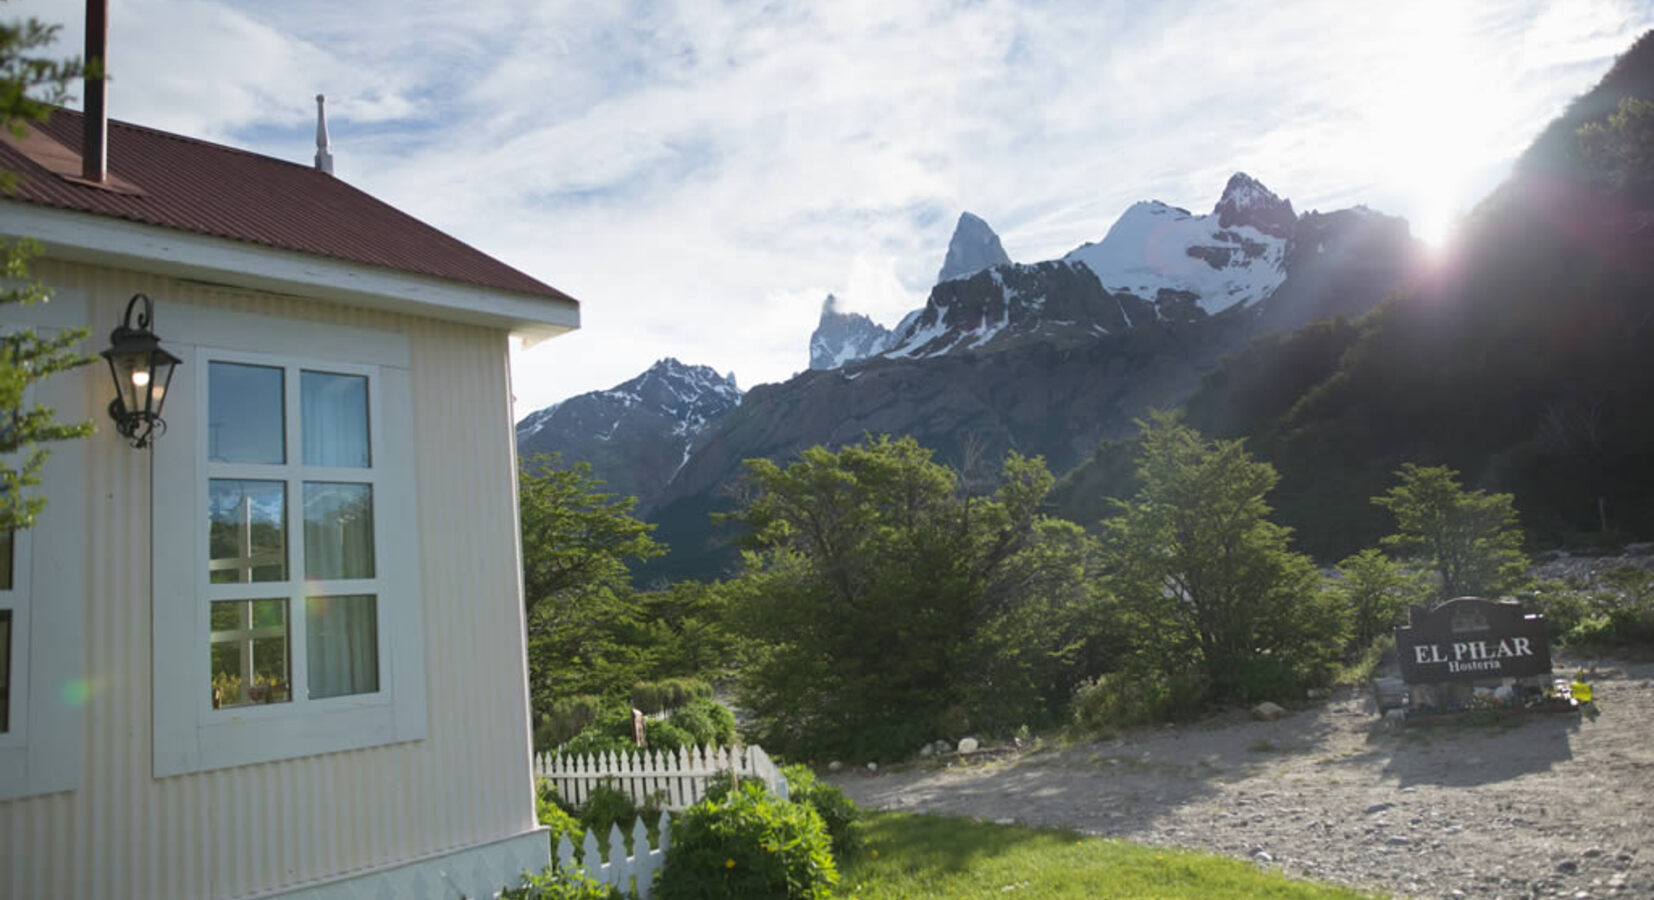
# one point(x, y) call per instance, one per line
point(334, 413)
point(342, 634)
point(338, 530)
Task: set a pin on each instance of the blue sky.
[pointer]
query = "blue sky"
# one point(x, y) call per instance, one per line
point(701, 174)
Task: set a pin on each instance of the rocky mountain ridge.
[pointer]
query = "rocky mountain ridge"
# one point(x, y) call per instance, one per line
point(639, 433)
point(1156, 263)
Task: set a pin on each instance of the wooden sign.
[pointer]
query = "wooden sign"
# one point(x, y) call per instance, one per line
point(1468, 639)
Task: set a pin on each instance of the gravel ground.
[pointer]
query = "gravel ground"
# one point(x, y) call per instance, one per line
point(1549, 805)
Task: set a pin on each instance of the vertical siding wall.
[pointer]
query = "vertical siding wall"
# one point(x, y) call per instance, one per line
point(237, 831)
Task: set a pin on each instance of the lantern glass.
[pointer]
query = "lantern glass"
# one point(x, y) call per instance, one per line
point(142, 372)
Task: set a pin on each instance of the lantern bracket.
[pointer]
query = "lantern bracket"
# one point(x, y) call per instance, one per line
point(142, 371)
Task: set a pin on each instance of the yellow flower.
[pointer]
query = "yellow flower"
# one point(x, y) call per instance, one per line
point(729, 863)
point(875, 853)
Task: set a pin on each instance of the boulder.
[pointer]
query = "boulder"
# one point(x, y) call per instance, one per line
point(835, 766)
point(1267, 712)
point(968, 745)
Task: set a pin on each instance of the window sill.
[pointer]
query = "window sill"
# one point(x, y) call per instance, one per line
point(241, 740)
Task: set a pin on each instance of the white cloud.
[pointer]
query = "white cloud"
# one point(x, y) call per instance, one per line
point(701, 173)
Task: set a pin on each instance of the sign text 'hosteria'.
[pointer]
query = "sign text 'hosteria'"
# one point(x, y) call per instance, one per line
point(1468, 638)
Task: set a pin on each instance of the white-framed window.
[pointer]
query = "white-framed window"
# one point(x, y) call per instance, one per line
point(293, 573)
point(287, 601)
point(14, 623)
point(42, 584)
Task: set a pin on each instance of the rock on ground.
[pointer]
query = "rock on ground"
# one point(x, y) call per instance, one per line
point(1543, 806)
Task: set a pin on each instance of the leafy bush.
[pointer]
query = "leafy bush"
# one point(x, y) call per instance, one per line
point(1622, 613)
point(708, 723)
point(1562, 606)
point(749, 845)
point(702, 722)
point(838, 812)
point(555, 885)
point(718, 786)
point(659, 696)
point(1267, 678)
point(606, 806)
point(663, 735)
point(610, 731)
point(552, 813)
point(1361, 669)
point(565, 718)
point(1138, 697)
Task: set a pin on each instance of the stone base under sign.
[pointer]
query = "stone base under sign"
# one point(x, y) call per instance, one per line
point(1534, 693)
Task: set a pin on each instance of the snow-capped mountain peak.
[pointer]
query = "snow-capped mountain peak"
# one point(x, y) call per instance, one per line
point(639, 432)
point(1160, 253)
point(974, 247)
point(842, 337)
point(1246, 201)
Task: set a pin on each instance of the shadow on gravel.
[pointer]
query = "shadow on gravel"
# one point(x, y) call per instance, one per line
point(1466, 754)
point(1112, 787)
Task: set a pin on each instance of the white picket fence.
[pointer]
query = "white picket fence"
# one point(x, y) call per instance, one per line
point(626, 873)
point(680, 775)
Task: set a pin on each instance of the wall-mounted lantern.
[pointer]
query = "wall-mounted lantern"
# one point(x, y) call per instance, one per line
point(142, 373)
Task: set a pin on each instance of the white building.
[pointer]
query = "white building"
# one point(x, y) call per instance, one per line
point(279, 651)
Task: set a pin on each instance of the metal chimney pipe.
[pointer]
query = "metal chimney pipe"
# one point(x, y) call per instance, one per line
point(94, 151)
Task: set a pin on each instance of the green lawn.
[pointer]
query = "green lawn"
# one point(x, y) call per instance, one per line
point(915, 856)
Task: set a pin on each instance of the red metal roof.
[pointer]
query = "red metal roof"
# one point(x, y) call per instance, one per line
point(215, 190)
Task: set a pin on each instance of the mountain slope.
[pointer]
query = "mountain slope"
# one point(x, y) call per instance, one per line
point(1039, 358)
point(1232, 256)
point(842, 337)
point(1526, 362)
point(637, 434)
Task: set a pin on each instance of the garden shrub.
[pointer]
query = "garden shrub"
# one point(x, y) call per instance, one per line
point(553, 884)
point(610, 731)
point(838, 812)
point(1138, 697)
point(718, 786)
point(565, 718)
point(1267, 678)
point(708, 722)
point(749, 845)
point(554, 814)
point(663, 735)
point(605, 806)
point(659, 696)
point(702, 722)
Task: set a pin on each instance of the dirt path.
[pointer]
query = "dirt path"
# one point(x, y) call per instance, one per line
point(1550, 806)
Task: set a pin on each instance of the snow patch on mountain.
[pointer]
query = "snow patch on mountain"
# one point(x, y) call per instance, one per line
point(841, 337)
point(1154, 247)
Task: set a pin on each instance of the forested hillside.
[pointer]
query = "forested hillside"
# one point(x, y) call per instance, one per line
point(1526, 360)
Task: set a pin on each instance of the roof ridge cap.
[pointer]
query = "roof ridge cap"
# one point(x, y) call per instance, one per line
point(187, 139)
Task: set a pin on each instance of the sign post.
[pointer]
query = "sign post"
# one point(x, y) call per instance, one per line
point(1469, 639)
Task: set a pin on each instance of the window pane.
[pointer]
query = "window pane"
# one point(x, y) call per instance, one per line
point(342, 635)
point(338, 530)
point(5, 670)
point(334, 419)
point(249, 653)
point(5, 560)
point(246, 414)
point(247, 538)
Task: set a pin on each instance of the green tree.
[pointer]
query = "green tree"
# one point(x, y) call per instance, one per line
point(1209, 580)
point(1375, 592)
point(29, 85)
point(1622, 148)
point(1469, 538)
point(885, 605)
point(577, 541)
